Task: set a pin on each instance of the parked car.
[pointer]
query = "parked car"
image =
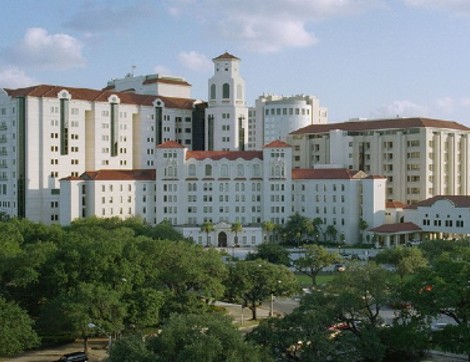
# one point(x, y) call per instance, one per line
point(73, 357)
point(340, 268)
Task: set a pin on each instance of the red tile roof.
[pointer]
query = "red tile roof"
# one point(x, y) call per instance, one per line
point(393, 123)
point(170, 144)
point(119, 175)
point(456, 200)
point(277, 144)
point(168, 80)
point(229, 155)
point(395, 205)
point(325, 174)
point(226, 56)
point(403, 227)
point(51, 91)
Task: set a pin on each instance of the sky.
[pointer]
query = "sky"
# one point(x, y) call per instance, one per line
point(360, 58)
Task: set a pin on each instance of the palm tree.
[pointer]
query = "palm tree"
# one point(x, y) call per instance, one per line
point(362, 227)
point(331, 231)
point(268, 226)
point(236, 228)
point(207, 227)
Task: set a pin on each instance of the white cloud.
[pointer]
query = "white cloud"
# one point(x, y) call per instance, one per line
point(195, 61)
point(269, 26)
point(460, 7)
point(268, 35)
point(40, 49)
point(400, 108)
point(13, 77)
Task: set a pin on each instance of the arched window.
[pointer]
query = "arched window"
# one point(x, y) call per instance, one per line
point(256, 171)
point(221, 187)
point(213, 93)
point(208, 170)
point(224, 170)
point(192, 170)
point(226, 90)
point(240, 170)
point(276, 171)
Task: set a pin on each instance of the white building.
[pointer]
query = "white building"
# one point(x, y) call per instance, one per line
point(224, 187)
point(438, 217)
point(227, 115)
point(50, 132)
point(274, 117)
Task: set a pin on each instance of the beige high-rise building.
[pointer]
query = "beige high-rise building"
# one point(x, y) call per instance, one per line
point(420, 157)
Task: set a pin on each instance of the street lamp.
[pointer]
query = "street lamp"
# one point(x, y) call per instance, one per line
point(93, 326)
point(271, 304)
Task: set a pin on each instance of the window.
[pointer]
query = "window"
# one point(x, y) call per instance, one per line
point(226, 90)
point(208, 170)
point(192, 170)
point(240, 170)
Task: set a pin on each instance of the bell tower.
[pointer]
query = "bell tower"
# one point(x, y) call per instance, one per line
point(227, 115)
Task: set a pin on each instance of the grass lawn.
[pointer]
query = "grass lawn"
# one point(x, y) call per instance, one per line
point(306, 282)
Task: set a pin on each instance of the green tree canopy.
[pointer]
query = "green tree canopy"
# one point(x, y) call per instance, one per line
point(444, 289)
point(405, 260)
point(313, 260)
point(342, 321)
point(16, 329)
point(252, 282)
point(274, 253)
point(207, 337)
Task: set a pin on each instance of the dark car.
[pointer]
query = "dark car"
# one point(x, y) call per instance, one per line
point(73, 357)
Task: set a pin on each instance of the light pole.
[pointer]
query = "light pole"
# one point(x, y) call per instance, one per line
point(271, 304)
point(93, 326)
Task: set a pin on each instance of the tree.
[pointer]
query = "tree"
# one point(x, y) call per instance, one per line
point(274, 253)
point(236, 228)
point(362, 227)
point(207, 227)
point(342, 321)
point(297, 230)
point(69, 315)
point(268, 227)
point(331, 232)
point(404, 260)
point(314, 259)
point(444, 289)
point(251, 282)
point(203, 337)
point(318, 229)
point(16, 329)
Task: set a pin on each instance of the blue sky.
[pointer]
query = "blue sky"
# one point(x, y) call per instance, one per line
point(361, 58)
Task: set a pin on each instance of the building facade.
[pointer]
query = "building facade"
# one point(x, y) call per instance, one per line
point(51, 132)
point(420, 157)
point(227, 114)
point(274, 117)
point(188, 188)
point(439, 217)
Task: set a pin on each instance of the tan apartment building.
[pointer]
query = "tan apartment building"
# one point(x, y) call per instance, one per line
point(420, 157)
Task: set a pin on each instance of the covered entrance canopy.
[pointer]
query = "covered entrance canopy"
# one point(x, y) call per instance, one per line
point(388, 235)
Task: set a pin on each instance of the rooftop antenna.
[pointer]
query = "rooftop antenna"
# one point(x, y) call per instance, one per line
point(133, 69)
